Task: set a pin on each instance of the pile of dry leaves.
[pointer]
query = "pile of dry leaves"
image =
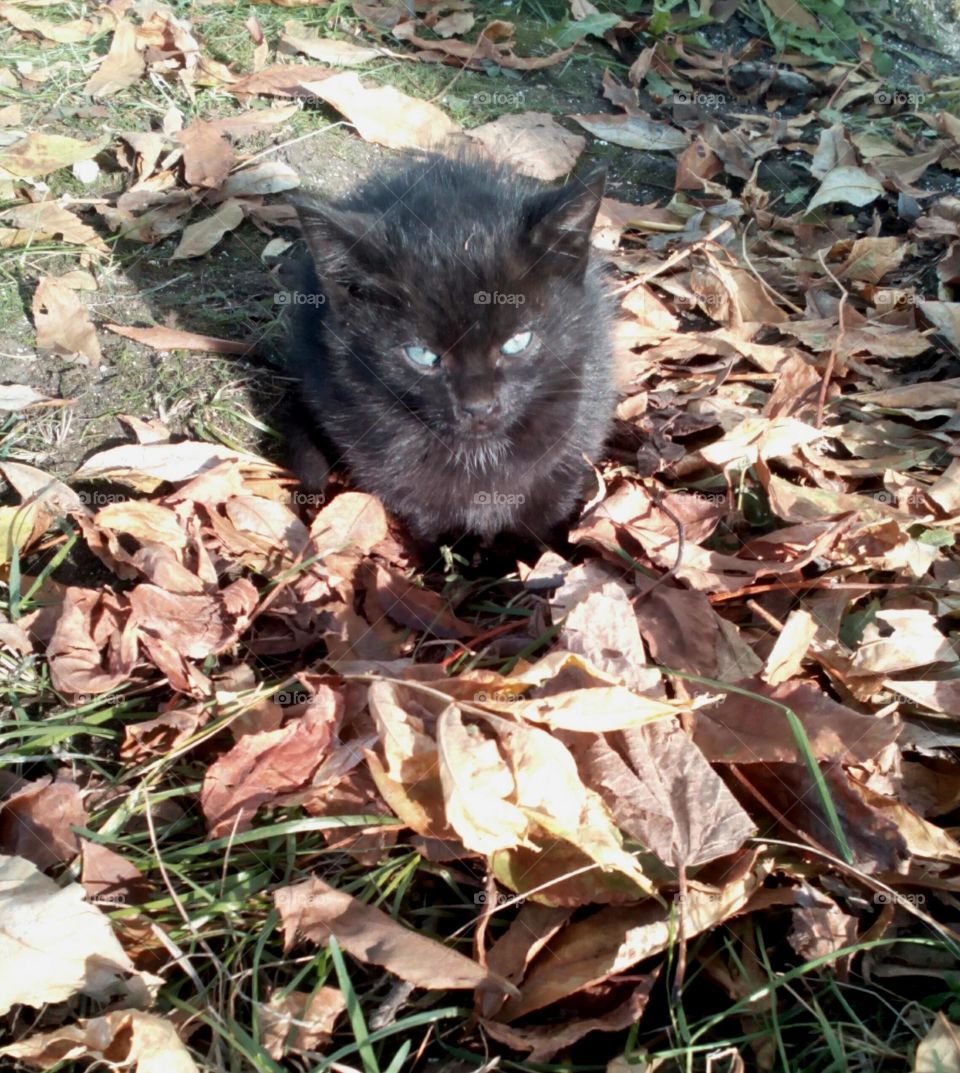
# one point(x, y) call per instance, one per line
point(752, 633)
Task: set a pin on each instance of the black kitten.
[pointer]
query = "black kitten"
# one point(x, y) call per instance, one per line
point(453, 346)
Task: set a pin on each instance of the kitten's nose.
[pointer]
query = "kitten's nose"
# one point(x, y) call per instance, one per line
point(481, 407)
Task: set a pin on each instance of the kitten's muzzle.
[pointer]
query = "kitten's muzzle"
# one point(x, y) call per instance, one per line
point(477, 408)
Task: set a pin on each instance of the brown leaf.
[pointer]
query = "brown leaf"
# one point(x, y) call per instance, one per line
point(53, 945)
point(293, 1022)
point(147, 465)
point(615, 939)
point(94, 644)
point(62, 323)
point(16, 397)
point(384, 115)
point(71, 32)
point(544, 1041)
point(939, 1050)
point(122, 66)
point(634, 132)
point(47, 219)
point(36, 821)
point(739, 730)
point(109, 879)
point(173, 339)
point(208, 158)
point(200, 626)
point(124, 1039)
point(820, 927)
point(37, 155)
point(297, 37)
point(261, 767)
point(790, 648)
point(201, 237)
point(283, 80)
point(532, 142)
point(663, 792)
point(418, 608)
point(312, 911)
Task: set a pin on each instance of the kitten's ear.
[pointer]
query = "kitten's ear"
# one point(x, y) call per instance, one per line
point(559, 222)
point(337, 238)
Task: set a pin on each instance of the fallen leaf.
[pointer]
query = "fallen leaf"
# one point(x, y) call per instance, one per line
point(939, 1050)
point(201, 237)
point(123, 65)
point(37, 155)
point(532, 142)
point(899, 640)
point(846, 184)
point(208, 158)
point(36, 821)
point(62, 323)
point(162, 338)
point(283, 80)
point(15, 397)
point(312, 911)
point(261, 767)
point(634, 132)
point(53, 944)
point(790, 648)
point(47, 219)
point(123, 1039)
point(147, 465)
point(296, 37)
point(71, 32)
point(384, 115)
point(293, 1022)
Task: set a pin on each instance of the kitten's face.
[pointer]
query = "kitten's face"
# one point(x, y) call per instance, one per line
point(471, 321)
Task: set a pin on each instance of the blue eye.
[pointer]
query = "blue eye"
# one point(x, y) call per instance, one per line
point(419, 355)
point(517, 344)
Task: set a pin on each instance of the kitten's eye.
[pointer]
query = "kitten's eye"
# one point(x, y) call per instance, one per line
point(516, 344)
point(419, 355)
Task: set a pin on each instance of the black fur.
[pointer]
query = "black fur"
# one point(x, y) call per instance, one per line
point(402, 262)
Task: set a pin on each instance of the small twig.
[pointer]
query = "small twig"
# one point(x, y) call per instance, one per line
point(832, 361)
point(763, 283)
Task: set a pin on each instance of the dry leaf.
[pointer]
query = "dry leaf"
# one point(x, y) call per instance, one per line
point(173, 339)
point(384, 115)
point(47, 219)
point(532, 142)
point(53, 944)
point(208, 158)
point(122, 66)
point(62, 323)
point(312, 911)
point(634, 132)
point(293, 1022)
point(201, 237)
point(37, 155)
point(36, 821)
point(297, 38)
point(122, 1039)
point(261, 767)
